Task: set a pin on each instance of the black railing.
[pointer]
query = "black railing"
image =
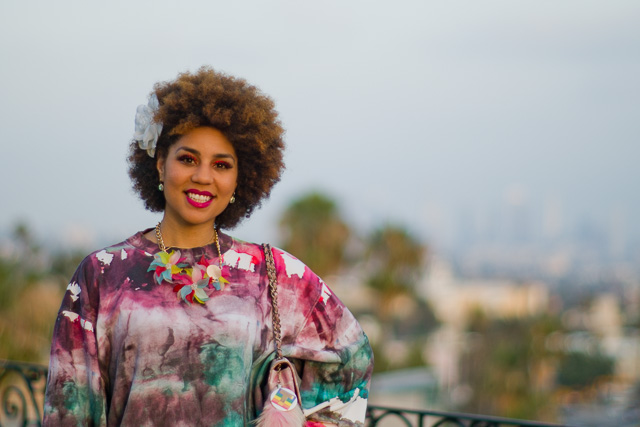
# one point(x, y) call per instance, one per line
point(22, 393)
point(396, 417)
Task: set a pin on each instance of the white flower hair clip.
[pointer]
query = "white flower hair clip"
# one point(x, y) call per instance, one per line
point(147, 131)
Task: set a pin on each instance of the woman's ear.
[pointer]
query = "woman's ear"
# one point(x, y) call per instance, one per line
point(160, 166)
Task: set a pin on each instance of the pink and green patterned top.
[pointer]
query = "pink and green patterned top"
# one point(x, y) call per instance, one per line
point(129, 350)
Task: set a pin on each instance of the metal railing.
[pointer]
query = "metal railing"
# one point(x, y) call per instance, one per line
point(21, 393)
point(397, 417)
point(22, 396)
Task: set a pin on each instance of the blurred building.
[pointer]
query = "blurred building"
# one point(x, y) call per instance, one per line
point(454, 299)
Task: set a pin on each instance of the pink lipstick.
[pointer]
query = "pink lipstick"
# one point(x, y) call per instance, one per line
point(199, 199)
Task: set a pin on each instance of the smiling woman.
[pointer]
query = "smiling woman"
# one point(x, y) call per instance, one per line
point(199, 176)
point(177, 325)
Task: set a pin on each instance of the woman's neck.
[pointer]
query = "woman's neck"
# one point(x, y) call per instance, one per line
point(180, 235)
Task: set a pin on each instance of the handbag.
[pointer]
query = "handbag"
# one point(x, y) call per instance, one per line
point(282, 407)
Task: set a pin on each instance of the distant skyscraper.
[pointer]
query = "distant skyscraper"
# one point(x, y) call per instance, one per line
point(552, 219)
point(617, 233)
point(518, 218)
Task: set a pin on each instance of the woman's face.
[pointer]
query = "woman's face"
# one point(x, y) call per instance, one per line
point(200, 174)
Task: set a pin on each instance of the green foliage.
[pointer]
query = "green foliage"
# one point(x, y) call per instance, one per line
point(382, 364)
point(314, 232)
point(415, 357)
point(31, 294)
point(64, 264)
point(416, 321)
point(578, 369)
point(505, 365)
point(395, 260)
point(20, 267)
point(8, 284)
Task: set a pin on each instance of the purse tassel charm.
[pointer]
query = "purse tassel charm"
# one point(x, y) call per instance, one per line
point(272, 417)
point(282, 409)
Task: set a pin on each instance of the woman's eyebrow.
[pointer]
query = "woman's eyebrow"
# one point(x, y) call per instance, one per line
point(189, 150)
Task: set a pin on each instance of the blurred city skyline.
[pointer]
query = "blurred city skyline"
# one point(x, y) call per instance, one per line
point(468, 122)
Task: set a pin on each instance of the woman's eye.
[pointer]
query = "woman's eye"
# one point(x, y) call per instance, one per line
point(222, 165)
point(187, 159)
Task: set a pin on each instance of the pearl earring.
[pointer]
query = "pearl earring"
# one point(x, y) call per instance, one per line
point(161, 187)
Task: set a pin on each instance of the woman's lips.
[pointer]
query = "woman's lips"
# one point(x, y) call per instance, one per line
point(199, 199)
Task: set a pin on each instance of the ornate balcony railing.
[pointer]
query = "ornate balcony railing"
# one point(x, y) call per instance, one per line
point(396, 417)
point(22, 394)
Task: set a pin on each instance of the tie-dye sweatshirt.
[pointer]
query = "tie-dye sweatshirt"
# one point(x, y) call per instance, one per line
point(129, 351)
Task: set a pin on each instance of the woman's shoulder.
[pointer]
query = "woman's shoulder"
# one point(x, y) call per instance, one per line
point(239, 250)
point(135, 244)
point(288, 267)
point(293, 272)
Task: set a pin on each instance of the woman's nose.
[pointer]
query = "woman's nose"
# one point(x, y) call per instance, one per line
point(203, 174)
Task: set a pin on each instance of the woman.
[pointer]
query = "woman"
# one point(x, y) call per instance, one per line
point(173, 326)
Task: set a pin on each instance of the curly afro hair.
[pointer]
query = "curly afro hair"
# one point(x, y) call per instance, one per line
point(245, 115)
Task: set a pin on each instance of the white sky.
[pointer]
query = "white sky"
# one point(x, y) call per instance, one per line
point(406, 110)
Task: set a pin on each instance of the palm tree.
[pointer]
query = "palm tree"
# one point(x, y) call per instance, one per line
point(395, 261)
point(394, 264)
point(314, 231)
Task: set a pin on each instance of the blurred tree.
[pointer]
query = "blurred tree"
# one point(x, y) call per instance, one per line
point(416, 320)
point(393, 267)
point(23, 238)
point(507, 366)
point(314, 232)
point(19, 266)
point(8, 284)
point(395, 262)
point(65, 263)
point(578, 370)
point(31, 295)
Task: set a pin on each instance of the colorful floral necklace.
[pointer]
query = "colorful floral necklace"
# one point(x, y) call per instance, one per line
point(189, 281)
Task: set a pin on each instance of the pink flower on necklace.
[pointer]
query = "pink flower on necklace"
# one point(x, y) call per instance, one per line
point(165, 265)
point(190, 286)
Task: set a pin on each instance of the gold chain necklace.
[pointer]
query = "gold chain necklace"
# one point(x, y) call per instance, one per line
point(163, 248)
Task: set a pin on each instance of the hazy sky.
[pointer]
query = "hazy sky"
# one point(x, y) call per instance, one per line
point(408, 111)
